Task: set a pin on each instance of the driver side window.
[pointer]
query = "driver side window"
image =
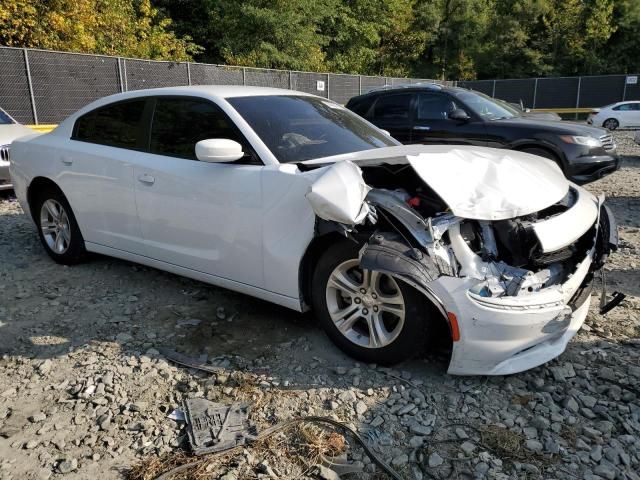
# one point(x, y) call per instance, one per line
point(179, 123)
point(433, 106)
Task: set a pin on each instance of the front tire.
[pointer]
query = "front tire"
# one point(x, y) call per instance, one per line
point(370, 316)
point(611, 124)
point(57, 228)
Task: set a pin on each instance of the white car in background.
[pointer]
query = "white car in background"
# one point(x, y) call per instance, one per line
point(9, 131)
point(617, 115)
point(294, 199)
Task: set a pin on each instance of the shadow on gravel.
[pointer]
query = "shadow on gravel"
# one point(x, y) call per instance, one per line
point(626, 281)
point(626, 210)
point(49, 309)
point(630, 161)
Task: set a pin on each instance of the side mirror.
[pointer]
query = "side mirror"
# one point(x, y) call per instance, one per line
point(386, 132)
point(459, 114)
point(218, 150)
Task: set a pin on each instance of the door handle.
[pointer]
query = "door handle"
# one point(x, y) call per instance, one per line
point(67, 161)
point(421, 127)
point(146, 179)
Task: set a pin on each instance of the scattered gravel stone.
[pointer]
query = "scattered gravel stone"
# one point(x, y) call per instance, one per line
point(435, 460)
point(534, 445)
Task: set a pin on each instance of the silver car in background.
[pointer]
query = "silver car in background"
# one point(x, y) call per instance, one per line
point(9, 131)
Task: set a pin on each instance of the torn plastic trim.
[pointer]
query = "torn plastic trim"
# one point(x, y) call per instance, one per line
point(387, 253)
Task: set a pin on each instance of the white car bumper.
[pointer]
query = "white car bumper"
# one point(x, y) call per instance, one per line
point(510, 334)
point(513, 336)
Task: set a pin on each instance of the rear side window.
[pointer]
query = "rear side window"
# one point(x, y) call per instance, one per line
point(117, 125)
point(360, 106)
point(626, 107)
point(179, 123)
point(393, 106)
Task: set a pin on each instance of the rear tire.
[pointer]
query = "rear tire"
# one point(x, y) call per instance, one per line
point(57, 227)
point(351, 303)
point(611, 124)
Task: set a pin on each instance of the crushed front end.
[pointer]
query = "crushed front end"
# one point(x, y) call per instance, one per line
point(500, 242)
point(515, 291)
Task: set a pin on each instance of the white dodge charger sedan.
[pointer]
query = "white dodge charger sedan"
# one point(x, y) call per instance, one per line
point(294, 199)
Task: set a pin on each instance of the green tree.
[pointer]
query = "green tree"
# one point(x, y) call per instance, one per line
point(370, 36)
point(113, 27)
point(271, 33)
point(19, 23)
point(620, 53)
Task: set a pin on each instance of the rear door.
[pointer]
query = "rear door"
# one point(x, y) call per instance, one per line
point(392, 112)
point(202, 216)
point(432, 125)
point(96, 173)
point(635, 114)
point(625, 114)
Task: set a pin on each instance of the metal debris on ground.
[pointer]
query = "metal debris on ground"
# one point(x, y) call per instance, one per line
point(215, 427)
point(186, 361)
point(340, 465)
point(177, 415)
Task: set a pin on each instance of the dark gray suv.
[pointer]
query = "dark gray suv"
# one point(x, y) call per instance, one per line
point(430, 113)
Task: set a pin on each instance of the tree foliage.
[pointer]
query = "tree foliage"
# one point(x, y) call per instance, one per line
point(112, 27)
point(455, 39)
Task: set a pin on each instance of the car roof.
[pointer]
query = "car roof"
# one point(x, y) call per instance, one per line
point(212, 92)
point(224, 91)
point(215, 91)
point(410, 87)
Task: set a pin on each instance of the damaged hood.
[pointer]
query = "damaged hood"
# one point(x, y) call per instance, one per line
point(475, 182)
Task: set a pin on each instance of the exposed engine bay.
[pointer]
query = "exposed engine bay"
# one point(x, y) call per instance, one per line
point(505, 254)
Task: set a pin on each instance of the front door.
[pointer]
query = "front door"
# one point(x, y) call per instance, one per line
point(432, 124)
point(202, 216)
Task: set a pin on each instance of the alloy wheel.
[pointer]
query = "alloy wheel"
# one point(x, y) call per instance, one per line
point(367, 307)
point(55, 226)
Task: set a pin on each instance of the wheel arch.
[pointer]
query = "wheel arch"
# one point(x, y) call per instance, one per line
point(312, 254)
point(614, 118)
point(38, 184)
point(319, 245)
point(558, 154)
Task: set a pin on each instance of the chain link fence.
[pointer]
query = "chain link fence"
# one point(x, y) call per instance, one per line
point(43, 86)
point(561, 92)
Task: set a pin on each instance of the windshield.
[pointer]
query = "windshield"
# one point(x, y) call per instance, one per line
point(514, 108)
point(297, 128)
point(4, 118)
point(485, 107)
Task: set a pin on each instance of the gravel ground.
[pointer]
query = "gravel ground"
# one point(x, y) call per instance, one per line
point(84, 390)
